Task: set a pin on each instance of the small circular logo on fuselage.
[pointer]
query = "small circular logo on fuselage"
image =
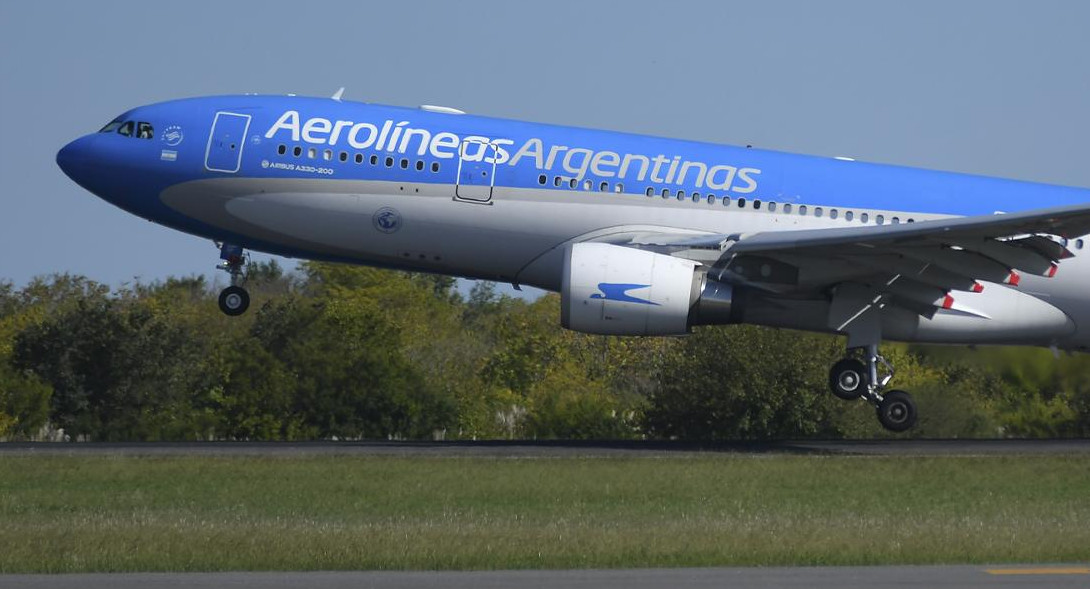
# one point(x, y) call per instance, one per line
point(387, 220)
point(172, 135)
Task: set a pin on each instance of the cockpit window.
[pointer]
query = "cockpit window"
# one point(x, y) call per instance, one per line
point(141, 130)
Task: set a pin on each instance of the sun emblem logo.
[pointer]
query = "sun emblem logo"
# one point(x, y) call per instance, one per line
point(387, 220)
point(172, 135)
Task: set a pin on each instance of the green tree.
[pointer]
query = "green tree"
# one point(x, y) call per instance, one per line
point(554, 383)
point(257, 396)
point(24, 403)
point(351, 379)
point(117, 370)
point(744, 382)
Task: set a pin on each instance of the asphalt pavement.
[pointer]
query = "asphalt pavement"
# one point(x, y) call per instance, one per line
point(530, 448)
point(898, 577)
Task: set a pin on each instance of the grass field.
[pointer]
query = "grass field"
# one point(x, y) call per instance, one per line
point(198, 513)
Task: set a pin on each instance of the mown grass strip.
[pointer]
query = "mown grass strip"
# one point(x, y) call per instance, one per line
point(113, 513)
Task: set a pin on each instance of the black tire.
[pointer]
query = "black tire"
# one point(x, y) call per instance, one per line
point(848, 379)
point(234, 300)
point(897, 411)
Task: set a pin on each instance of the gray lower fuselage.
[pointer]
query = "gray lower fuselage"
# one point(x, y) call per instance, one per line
point(519, 236)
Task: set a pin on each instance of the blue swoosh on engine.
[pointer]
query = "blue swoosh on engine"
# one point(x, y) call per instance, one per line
point(612, 291)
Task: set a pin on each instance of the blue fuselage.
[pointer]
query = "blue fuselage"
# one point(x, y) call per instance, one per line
point(439, 191)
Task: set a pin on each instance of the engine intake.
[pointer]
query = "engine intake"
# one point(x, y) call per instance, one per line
point(614, 290)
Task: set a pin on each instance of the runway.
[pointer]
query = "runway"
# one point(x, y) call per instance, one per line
point(961, 577)
point(525, 448)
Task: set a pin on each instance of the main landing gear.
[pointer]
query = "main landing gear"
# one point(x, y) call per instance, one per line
point(234, 300)
point(852, 379)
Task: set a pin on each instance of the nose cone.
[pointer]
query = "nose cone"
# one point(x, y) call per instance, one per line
point(74, 158)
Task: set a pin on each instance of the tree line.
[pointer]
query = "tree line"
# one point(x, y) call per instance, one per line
point(344, 352)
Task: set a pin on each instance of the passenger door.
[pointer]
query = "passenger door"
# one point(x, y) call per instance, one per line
point(225, 142)
point(476, 171)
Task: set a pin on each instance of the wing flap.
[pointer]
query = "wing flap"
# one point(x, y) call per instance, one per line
point(963, 263)
point(1017, 254)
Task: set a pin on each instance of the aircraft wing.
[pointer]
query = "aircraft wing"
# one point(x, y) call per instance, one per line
point(913, 265)
point(1065, 222)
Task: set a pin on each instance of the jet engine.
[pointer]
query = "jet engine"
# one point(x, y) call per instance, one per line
point(614, 290)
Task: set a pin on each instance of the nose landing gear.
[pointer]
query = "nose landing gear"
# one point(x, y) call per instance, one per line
point(234, 300)
point(852, 379)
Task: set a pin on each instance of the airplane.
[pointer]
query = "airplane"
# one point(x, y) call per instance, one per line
point(639, 235)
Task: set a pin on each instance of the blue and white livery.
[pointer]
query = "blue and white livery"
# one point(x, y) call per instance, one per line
point(639, 235)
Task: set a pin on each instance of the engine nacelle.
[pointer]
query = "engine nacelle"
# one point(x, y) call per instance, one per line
point(614, 290)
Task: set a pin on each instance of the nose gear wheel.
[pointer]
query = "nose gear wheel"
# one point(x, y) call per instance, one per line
point(234, 300)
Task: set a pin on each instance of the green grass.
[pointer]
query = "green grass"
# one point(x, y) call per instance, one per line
point(111, 513)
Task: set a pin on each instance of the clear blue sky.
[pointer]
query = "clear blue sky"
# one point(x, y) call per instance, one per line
point(988, 87)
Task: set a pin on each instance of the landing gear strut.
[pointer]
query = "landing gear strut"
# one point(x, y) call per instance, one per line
point(852, 379)
point(234, 300)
